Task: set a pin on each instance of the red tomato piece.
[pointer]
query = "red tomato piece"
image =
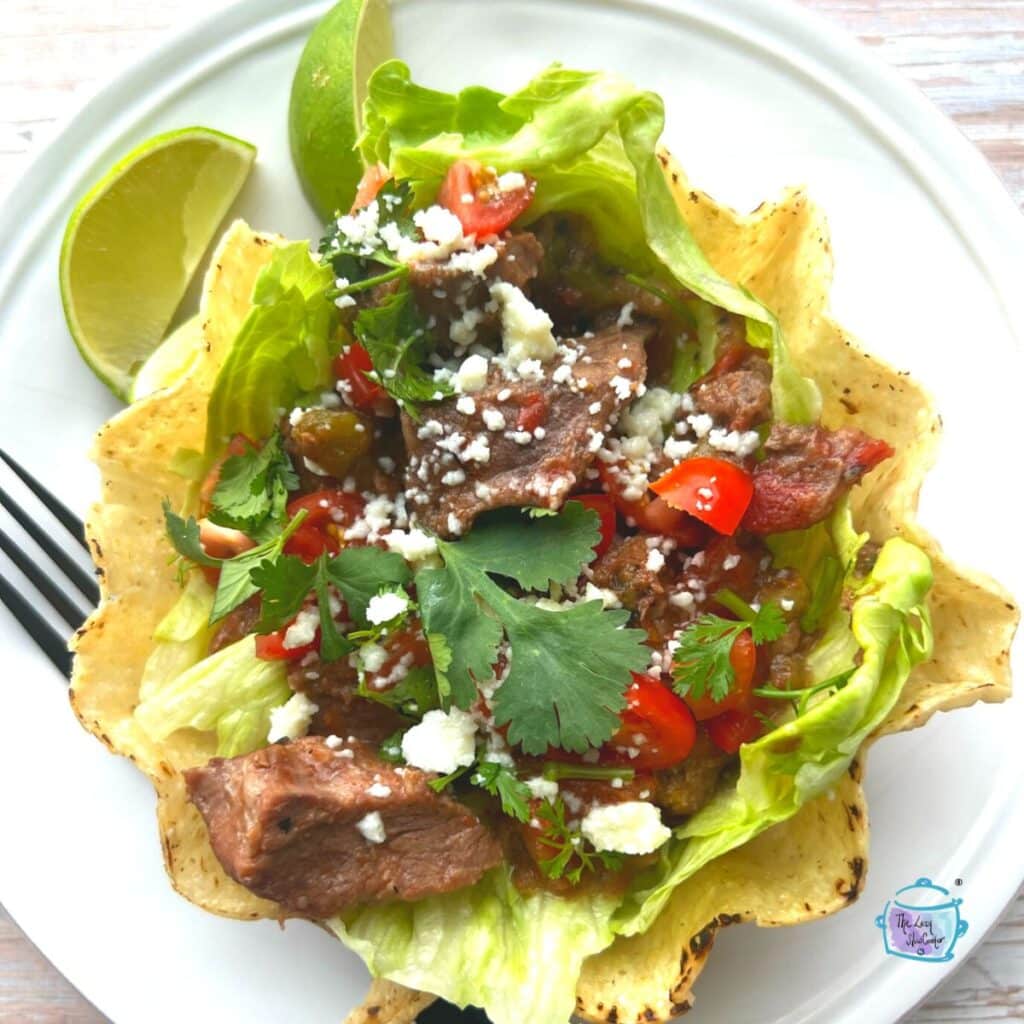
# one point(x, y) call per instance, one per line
point(326, 507)
point(370, 184)
point(271, 647)
point(657, 723)
point(604, 507)
point(533, 412)
point(352, 366)
point(473, 194)
point(309, 543)
point(713, 490)
point(732, 729)
point(653, 514)
point(743, 658)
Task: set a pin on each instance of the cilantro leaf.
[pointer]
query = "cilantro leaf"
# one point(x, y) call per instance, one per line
point(286, 584)
point(501, 781)
point(252, 491)
point(359, 262)
point(184, 536)
point(391, 749)
point(361, 573)
point(413, 696)
point(568, 670)
point(571, 854)
point(508, 546)
point(702, 662)
point(396, 336)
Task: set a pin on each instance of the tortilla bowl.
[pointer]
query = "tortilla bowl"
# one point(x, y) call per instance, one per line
point(804, 868)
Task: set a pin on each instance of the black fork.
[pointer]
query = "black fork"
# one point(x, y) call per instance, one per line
point(54, 644)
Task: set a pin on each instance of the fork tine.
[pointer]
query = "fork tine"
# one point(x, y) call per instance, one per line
point(83, 580)
point(46, 637)
point(60, 511)
point(66, 608)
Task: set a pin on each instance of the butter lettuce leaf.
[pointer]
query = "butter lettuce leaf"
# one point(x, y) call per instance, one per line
point(282, 351)
point(518, 956)
point(590, 139)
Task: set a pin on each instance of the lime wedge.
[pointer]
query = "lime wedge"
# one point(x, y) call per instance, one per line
point(171, 361)
point(134, 241)
point(325, 112)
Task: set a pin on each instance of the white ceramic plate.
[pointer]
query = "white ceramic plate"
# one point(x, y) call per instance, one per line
point(759, 95)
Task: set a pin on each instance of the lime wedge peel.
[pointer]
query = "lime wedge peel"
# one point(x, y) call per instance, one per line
point(134, 241)
point(326, 105)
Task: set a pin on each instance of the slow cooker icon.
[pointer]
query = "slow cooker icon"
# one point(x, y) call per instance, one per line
point(922, 922)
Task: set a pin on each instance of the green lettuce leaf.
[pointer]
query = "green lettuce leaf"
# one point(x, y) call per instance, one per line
point(518, 956)
point(231, 692)
point(798, 761)
point(282, 351)
point(590, 139)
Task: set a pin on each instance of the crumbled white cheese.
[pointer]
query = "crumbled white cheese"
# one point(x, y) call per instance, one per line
point(626, 315)
point(510, 181)
point(681, 599)
point(478, 450)
point(378, 790)
point(786, 604)
point(466, 405)
point(441, 742)
point(372, 827)
point(526, 330)
point(472, 374)
point(413, 546)
point(494, 419)
point(440, 226)
point(633, 827)
point(622, 386)
point(650, 415)
point(678, 450)
point(385, 607)
point(302, 630)
point(655, 560)
point(372, 657)
point(291, 720)
point(541, 788)
point(608, 598)
point(475, 261)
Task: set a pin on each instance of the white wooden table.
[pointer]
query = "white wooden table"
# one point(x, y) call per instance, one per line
point(968, 57)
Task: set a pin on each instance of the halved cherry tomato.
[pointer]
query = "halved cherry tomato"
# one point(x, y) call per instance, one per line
point(351, 366)
point(328, 512)
point(653, 514)
point(731, 730)
point(471, 192)
point(713, 490)
point(271, 647)
point(604, 507)
point(657, 723)
point(370, 184)
point(743, 658)
point(238, 445)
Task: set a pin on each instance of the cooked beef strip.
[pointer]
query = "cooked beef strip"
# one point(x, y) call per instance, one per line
point(541, 472)
point(236, 625)
point(446, 293)
point(687, 787)
point(806, 471)
point(282, 821)
point(623, 569)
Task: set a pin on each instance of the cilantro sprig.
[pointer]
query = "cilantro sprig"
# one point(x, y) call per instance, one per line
point(396, 336)
point(573, 855)
point(568, 670)
point(801, 698)
point(702, 662)
point(360, 263)
point(252, 490)
point(501, 781)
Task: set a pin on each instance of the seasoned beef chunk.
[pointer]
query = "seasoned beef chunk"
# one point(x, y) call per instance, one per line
point(285, 822)
point(623, 569)
point(446, 292)
point(464, 463)
point(333, 687)
point(238, 623)
point(741, 397)
point(806, 471)
point(687, 787)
